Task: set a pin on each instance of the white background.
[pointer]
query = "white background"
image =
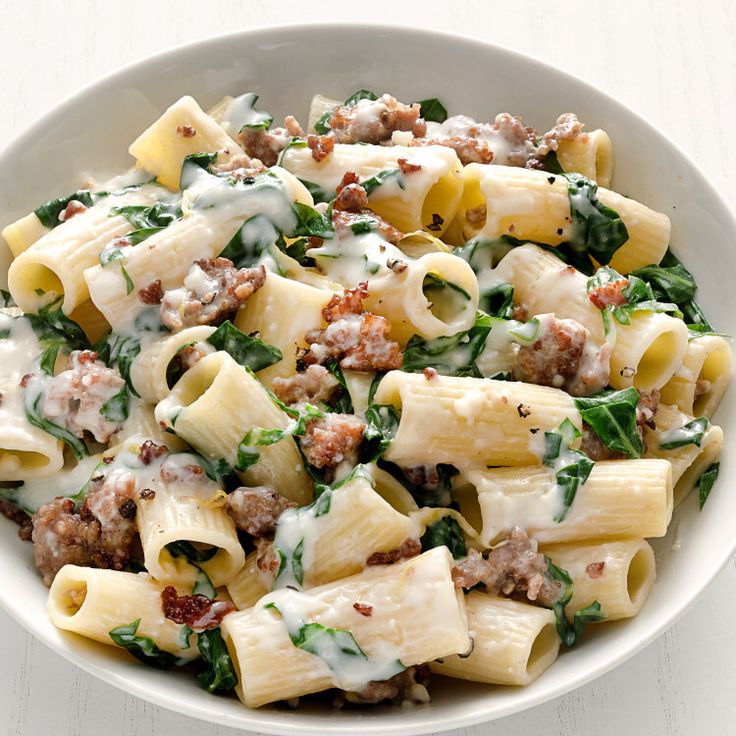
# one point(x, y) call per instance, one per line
point(673, 62)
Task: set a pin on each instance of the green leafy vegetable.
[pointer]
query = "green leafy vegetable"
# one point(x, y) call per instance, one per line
point(142, 647)
point(6, 300)
point(689, 434)
point(217, 673)
point(597, 229)
point(147, 219)
point(371, 184)
point(192, 167)
point(445, 532)
point(571, 467)
point(203, 585)
point(310, 223)
point(119, 351)
point(570, 633)
point(455, 355)
point(115, 409)
point(53, 317)
point(612, 416)
point(322, 126)
point(319, 193)
point(49, 211)
point(246, 350)
point(361, 94)
point(33, 410)
point(383, 421)
point(248, 245)
point(433, 110)
point(343, 404)
point(706, 483)
point(551, 163)
point(182, 548)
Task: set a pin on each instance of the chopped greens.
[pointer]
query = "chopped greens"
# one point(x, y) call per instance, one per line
point(571, 467)
point(147, 219)
point(383, 421)
point(322, 126)
point(34, 414)
point(371, 184)
point(116, 350)
point(182, 548)
point(48, 212)
point(706, 483)
point(116, 409)
point(689, 434)
point(217, 671)
point(445, 532)
point(343, 404)
point(6, 300)
point(248, 245)
point(247, 350)
point(433, 110)
point(612, 416)
point(141, 647)
point(570, 633)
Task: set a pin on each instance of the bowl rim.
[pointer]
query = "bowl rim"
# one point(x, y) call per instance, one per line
point(434, 721)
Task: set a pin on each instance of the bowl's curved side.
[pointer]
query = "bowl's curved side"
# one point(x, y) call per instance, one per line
point(90, 132)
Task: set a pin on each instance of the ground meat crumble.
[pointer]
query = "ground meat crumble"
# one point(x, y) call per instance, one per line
point(358, 339)
point(408, 548)
point(213, 289)
point(513, 567)
point(333, 439)
point(198, 612)
point(409, 686)
point(74, 398)
point(316, 385)
point(256, 510)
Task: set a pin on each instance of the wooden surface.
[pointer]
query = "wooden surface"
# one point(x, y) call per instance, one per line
point(673, 62)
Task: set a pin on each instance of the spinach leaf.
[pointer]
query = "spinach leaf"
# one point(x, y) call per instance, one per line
point(598, 230)
point(322, 126)
point(115, 409)
point(147, 219)
point(182, 548)
point(310, 223)
point(217, 671)
point(49, 212)
point(433, 110)
point(246, 350)
point(570, 633)
point(52, 316)
point(34, 414)
point(250, 117)
point(551, 163)
point(319, 193)
point(371, 184)
point(192, 166)
point(141, 647)
point(612, 416)
point(455, 355)
point(445, 532)
point(361, 94)
point(248, 245)
point(6, 300)
point(297, 250)
point(383, 421)
point(248, 453)
point(203, 585)
point(571, 467)
point(706, 482)
point(483, 254)
point(117, 350)
point(689, 434)
point(343, 404)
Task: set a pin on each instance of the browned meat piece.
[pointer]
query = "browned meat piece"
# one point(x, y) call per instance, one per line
point(409, 548)
point(513, 567)
point(212, 290)
point(267, 560)
point(408, 167)
point(150, 451)
point(349, 177)
point(332, 439)
point(350, 198)
point(20, 517)
point(647, 408)
point(100, 535)
point(610, 293)
point(374, 121)
point(364, 609)
point(315, 386)
point(186, 131)
point(240, 166)
point(409, 686)
point(342, 222)
point(198, 612)
point(321, 146)
point(256, 510)
point(74, 398)
point(567, 128)
point(563, 356)
point(264, 145)
point(469, 150)
point(152, 294)
point(174, 472)
point(357, 338)
point(595, 569)
point(75, 207)
point(293, 127)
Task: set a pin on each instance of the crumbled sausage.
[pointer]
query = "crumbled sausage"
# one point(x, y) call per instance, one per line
point(147, 494)
point(595, 569)
point(609, 294)
point(151, 294)
point(513, 567)
point(174, 472)
point(647, 408)
point(150, 451)
point(266, 558)
point(186, 131)
point(351, 197)
point(14, 513)
point(332, 439)
point(75, 397)
point(293, 127)
point(321, 146)
point(409, 686)
point(316, 385)
point(212, 290)
point(430, 373)
point(563, 356)
point(74, 207)
point(98, 536)
point(567, 128)
point(198, 612)
point(364, 609)
point(256, 510)
point(359, 340)
point(519, 138)
point(240, 166)
point(264, 145)
point(408, 167)
point(469, 150)
point(374, 121)
point(409, 548)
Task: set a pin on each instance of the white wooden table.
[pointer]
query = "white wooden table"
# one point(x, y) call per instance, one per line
point(674, 62)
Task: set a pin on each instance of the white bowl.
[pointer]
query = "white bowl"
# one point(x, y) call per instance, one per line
point(91, 131)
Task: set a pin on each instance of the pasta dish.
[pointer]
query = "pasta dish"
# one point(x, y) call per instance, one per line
point(343, 408)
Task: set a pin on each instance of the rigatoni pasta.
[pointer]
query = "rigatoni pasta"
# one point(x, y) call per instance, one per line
point(403, 393)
